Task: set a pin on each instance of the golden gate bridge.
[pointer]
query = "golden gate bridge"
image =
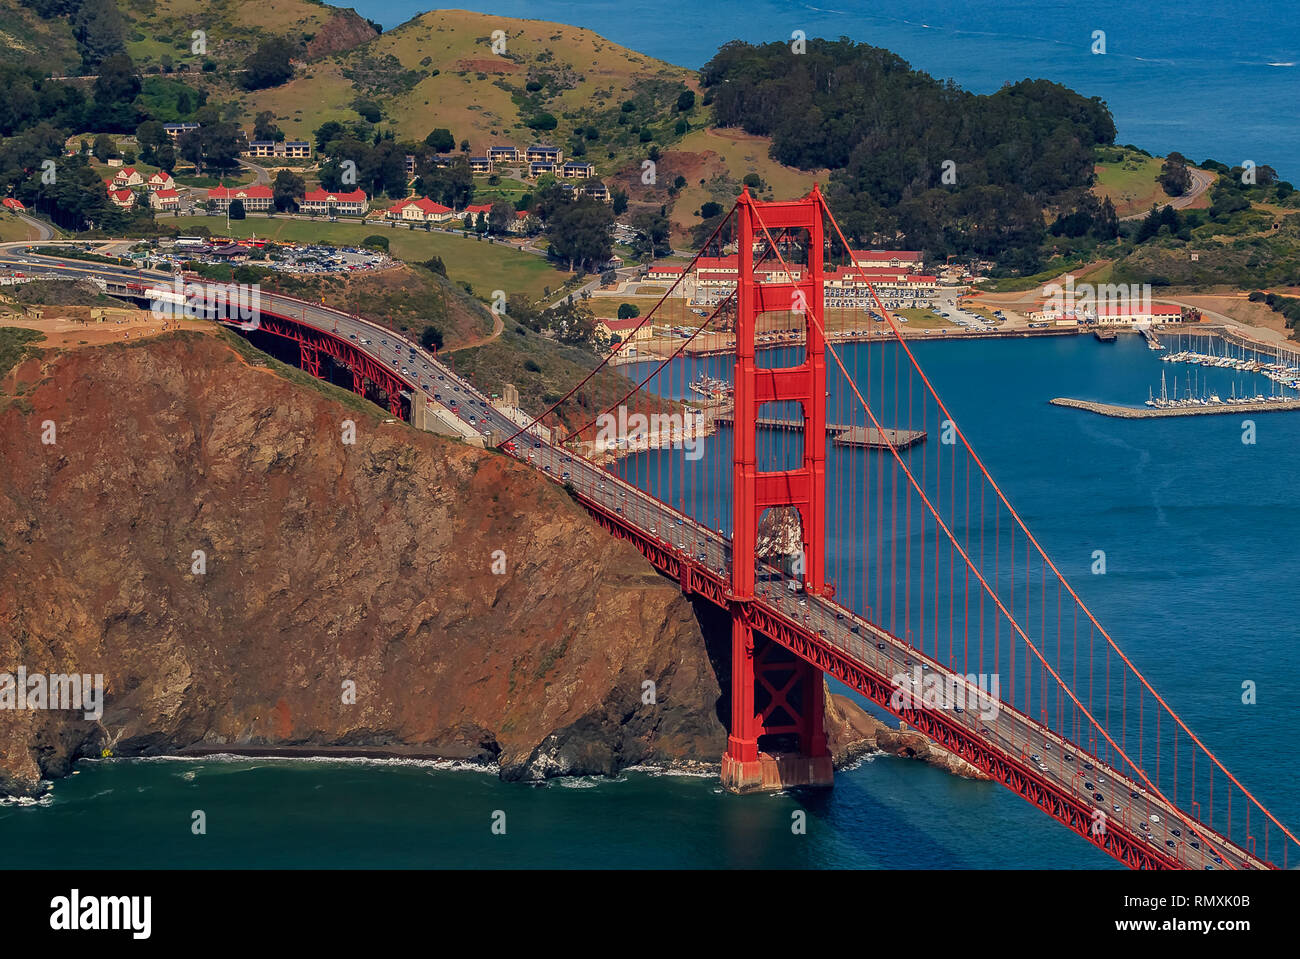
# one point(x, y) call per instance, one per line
point(912, 560)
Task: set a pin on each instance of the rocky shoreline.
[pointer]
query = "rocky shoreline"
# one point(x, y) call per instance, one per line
point(346, 604)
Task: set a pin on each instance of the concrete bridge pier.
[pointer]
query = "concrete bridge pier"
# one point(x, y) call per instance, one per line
point(777, 739)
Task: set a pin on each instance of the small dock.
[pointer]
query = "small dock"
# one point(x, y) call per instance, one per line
point(864, 436)
point(1105, 336)
point(1151, 413)
point(871, 438)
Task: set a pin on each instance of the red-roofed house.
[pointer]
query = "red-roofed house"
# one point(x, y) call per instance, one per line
point(659, 271)
point(123, 198)
point(476, 209)
point(13, 203)
point(339, 203)
point(898, 259)
point(127, 177)
point(162, 180)
point(255, 197)
point(624, 329)
point(420, 210)
point(165, 200)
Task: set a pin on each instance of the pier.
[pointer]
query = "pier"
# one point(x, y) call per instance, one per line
point(868, 437)
point(1148, 413)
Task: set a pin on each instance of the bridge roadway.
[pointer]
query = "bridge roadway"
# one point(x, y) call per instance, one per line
point(1143, 830)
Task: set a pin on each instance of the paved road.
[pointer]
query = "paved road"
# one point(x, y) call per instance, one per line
point(1202, 180)
point(43, 230)
point(1018, 737)
point(261, 174)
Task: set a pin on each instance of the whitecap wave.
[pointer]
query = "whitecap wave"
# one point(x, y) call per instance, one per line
point(47, 799)
point(262, 762)
point(672, 771)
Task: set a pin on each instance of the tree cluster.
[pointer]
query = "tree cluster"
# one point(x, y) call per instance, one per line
point(915, 160)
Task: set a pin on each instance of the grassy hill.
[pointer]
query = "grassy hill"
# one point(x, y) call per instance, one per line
point(27, 40)
point(439, 70)
point(232, 28)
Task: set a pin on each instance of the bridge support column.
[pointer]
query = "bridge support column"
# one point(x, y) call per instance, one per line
point(741, 771)
point(777, 699)
point(309, 359)
point(777, 739)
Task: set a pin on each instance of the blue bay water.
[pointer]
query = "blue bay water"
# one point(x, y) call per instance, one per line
point(1199, 531)
point(1207, 79)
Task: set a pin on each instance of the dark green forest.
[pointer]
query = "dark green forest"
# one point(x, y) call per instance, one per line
point(914, 159)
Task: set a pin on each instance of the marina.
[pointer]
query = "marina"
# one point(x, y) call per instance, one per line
point(1137, 413)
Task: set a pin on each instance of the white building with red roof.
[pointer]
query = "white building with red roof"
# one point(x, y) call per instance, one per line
point(165, 200)
point(420, 210)
point(162, 180)
point(14, 204)
point(625, 329)
point(664, 271)
point(256, 197)
point(336, 202)
point(892, 259)
point(126, 178)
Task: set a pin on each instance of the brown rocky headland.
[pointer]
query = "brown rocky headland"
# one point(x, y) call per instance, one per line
point(200, 533)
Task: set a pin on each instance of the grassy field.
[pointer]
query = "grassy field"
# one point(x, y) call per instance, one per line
point(918, 319)
point(12, 228)
point(27, 39)
point(607, 306)
point(485, 266)
point(233, 28)
point(1130, 182)
point(507, 189)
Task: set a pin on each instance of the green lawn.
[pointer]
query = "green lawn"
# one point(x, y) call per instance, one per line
point(507, 189)
point(1130, 181)
point(12, 228)
point(241, 178)
point(921, 319)
point(485, 266)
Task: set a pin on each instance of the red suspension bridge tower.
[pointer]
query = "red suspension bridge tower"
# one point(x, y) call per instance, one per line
point(774, 694)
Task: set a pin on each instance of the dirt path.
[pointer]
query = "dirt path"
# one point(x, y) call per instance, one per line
point(66, 331)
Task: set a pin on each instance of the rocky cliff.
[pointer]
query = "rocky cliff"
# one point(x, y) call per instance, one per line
point(201, 534)
point(343, 31)
point(258, 562)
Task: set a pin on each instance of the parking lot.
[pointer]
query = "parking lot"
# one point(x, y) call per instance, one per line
point(309, 259)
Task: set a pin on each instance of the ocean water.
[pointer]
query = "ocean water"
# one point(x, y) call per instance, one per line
point(1199, 531)
point(1207, 79)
